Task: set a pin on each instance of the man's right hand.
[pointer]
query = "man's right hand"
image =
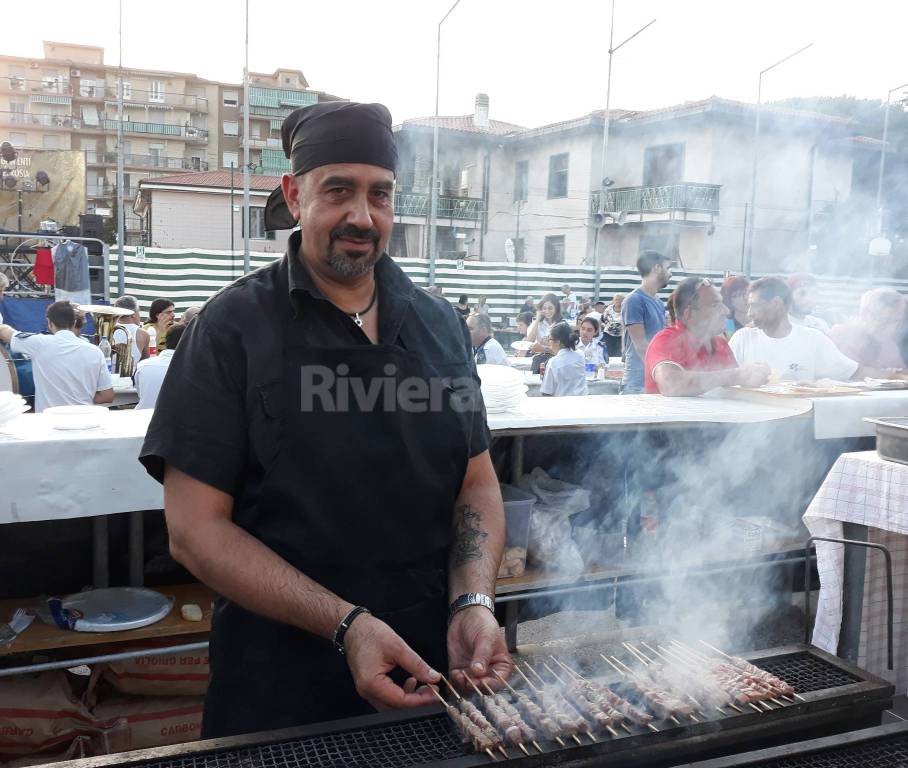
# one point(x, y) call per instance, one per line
point(372, 650)
point(753, 374)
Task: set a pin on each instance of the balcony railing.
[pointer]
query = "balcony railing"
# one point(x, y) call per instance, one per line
point(133, 96)
point(31, 119)
point(187, 132)
point(414, 204)
point(686, 198)
point(98, 157)
point(107, 190)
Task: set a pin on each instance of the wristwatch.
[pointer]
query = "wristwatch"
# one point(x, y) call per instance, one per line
point(470, 599)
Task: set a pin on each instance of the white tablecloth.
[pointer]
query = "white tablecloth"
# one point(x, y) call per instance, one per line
point(844, 416)
point(49, 474)
point(863, 488)
point(626, 410)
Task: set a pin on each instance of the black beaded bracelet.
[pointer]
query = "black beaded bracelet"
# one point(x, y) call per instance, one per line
point(345, 625)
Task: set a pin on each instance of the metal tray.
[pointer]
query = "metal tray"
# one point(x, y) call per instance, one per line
point(891, 438)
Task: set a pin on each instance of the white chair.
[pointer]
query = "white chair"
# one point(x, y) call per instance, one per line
point(9, 379)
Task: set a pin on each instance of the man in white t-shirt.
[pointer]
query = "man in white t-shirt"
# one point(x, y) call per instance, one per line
point(67, 370)
point(793, 352)
point(569, 303)
point(486, 349)
point(150, 372)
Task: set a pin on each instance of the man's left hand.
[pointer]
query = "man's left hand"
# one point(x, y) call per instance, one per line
point(476, 647)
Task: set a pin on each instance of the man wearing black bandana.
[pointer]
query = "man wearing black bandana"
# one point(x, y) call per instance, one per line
point(323, 448)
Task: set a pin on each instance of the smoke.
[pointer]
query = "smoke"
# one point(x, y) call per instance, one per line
point(687, 513)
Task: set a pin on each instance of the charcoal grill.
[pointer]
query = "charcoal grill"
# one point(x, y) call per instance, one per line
point(836, 697)
point(883, 747)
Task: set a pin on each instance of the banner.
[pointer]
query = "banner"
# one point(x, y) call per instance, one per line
point(62, 199)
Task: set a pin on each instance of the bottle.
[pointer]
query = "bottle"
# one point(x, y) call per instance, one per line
point(104, 346)
point(152, 340)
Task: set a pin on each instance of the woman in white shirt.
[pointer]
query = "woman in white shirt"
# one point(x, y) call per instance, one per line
point(564, 373)
point(590, 345)
point(548, 315)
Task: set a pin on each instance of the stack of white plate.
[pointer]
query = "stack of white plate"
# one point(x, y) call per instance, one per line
point(11, 405)
point(76, 417)
point(503, 388)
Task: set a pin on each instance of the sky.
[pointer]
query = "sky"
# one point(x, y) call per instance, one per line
point(539, 62)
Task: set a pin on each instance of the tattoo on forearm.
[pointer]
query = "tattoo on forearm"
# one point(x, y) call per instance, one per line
point(468, 536)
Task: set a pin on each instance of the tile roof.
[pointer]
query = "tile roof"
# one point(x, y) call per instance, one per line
point(220, 179)
point(464, 123)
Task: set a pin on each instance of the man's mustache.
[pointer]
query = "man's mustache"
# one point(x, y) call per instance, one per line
point(348, 230)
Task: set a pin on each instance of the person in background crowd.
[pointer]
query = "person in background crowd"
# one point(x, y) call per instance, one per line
point(190, 313)
point(131, 324)
point(150, 373)
point(734, 294)
point(528, 306)
point(569, 303)
point(613, 327)
point(160, 315)
point(793, 352)
point(596, 311)
point(591, 346)
point(643, 316)
point(803, 289)
point(486, 349)
point(435, 290)
point(463, 305)
point(692, 356)
point(523, 321)
point(481, 307)
point(4, 284)
point(67, 370)
point(873, 337)
point(564, 373)
point(548, 314)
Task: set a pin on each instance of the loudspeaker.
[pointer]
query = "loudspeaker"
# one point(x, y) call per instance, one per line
point(92, 225)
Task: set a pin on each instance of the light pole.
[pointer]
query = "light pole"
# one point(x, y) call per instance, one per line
point(748, 256)
point(246, 163)
point(879, 184)
point(600, 208)
point(433, 193)
point(121, 211)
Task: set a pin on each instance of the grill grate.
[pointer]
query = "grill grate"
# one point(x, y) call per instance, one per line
point(806, 672)
point(391, 746)
point(888, 753)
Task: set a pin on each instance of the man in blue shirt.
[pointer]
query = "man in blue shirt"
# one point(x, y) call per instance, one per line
point(643, 314)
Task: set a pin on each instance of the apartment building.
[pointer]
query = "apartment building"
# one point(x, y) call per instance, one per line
point(172, 122)
point(679, 181)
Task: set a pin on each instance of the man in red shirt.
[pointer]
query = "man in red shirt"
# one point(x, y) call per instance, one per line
point(692, 356)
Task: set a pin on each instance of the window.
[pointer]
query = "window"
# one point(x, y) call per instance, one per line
point(127, 89)
point(231, 98)
point(17, 108)
point(521, 180)
point(17, 78)
point(558, 175)
point(231, 128)
point(255, 131)
point(663, 165)
point(17, 139)
point(156, 91)
point(50, 141)
point(88, 88)
point(231, 158)
point(257, 225)
point(554, 249)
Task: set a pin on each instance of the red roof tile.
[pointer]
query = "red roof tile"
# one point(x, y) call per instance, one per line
point(219, 179)
point(465, 124)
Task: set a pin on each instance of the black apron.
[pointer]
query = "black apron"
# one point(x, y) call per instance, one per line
point(360, 500)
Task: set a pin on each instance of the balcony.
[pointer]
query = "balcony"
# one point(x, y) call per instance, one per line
point(133, 97)
point(460, 208)
point(187, 132)
point(98, 157)
point(28, 120)
point(663, 203)
point(98, 190)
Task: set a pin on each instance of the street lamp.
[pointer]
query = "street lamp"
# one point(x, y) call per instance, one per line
point(433, 193)
point(879, 184)
point(603, 182)
point(753, 181)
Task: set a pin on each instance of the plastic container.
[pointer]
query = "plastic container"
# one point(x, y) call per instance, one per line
point(518, 508)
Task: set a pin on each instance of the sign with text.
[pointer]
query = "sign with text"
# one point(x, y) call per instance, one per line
point(61, 197)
